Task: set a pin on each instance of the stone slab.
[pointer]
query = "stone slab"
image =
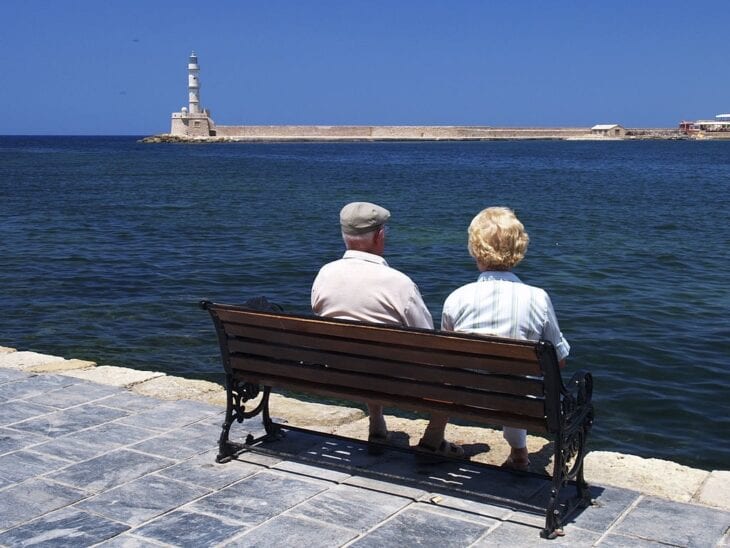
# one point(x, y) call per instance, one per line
point(293, 443)
point(202, 428)
point(389, 487)
point(66, 421)
point(510, 533)
point(65, 365)
point(186, 528)
point(716, 490)
point(423, 527)
point(202, 470)
point(128, 540)
point(486, 481)
point(258, 498)
point(8, 375)
point(674, 523)
point(131, 402)
point(620, 541)
point(76, 394)
point(93, 442)
point(114, 376)
point(67, 527)
point(25, 360)
point(20, 410)
point(287, 530)
point(177, 388)
point(658, 477)
point(12, 440)
point(110, 470)
point(468, 505)
point(6, 350)
point(22, 465)
point(171, 415)
point(352, 507)
point(33, 386)
point(141, 500)
point(322, 472)
point(609, 504)
point(179, 444)
point(33, 498)
point(260, 459)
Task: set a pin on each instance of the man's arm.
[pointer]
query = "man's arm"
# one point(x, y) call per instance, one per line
point(416, 313)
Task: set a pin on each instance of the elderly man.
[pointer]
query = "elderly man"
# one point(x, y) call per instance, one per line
point(498, 303)
point(361, 286)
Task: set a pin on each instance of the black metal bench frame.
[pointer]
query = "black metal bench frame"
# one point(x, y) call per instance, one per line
point(489, 380)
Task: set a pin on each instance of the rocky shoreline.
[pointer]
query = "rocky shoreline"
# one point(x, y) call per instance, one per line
point(655, 477)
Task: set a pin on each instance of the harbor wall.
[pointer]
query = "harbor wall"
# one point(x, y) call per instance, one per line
point(253, 133)
point(396, 132)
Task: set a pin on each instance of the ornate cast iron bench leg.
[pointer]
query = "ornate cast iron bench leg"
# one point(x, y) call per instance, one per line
point(237, 394)
point(570, 451)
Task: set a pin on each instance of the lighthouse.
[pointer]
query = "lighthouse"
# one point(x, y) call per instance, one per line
point(193, 121)
point(194, 84)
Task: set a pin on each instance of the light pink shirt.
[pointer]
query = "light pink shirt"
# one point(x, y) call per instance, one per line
point(361, 286)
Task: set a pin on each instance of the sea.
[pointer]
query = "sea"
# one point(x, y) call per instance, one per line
point(107, 245)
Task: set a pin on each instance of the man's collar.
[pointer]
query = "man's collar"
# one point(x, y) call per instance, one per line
point(364, 256)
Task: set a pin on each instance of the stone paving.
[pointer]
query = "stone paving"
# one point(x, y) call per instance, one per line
point(85, 464)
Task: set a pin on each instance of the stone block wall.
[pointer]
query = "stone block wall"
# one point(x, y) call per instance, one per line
point(293, 132)
point(191, 125)
point(395, 132)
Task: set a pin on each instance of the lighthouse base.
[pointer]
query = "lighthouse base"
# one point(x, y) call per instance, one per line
point(192, 124)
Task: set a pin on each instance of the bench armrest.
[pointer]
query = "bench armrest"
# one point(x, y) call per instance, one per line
point(577, 409)
point(580, 387)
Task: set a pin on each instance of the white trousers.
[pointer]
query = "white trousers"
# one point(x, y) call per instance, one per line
point(516, 437)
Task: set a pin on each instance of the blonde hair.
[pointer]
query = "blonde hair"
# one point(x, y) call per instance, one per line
point(497, 239)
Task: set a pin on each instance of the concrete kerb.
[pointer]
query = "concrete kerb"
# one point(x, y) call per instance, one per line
point(654, 477)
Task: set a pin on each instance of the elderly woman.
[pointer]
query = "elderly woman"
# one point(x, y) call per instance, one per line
point(498, 303)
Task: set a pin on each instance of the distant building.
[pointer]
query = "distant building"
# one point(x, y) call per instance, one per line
point(191, 121)
point(721, 124)
point(609, 130)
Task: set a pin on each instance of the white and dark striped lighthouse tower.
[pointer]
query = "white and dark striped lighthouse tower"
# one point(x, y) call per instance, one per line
point(194, 84)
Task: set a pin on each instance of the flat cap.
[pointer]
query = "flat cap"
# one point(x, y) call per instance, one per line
point(361, 217)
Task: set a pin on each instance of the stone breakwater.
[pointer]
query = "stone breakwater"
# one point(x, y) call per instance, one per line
point(654, 477)
point(402, 133)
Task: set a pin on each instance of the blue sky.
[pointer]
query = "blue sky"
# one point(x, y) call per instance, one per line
point(106, 67)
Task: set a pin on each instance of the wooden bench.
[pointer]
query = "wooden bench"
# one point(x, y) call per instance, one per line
point(494, 381)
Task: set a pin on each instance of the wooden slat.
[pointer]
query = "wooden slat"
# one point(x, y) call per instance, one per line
point(401, 352)
point(483, 416)
point(518, 386)
point(530, 407)
point(506, 348)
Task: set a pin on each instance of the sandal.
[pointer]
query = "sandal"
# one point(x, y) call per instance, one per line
point(518, 465)
point(445, 449)
point(376, 443)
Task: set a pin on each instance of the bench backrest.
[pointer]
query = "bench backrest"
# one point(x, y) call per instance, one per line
point(486, 379)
